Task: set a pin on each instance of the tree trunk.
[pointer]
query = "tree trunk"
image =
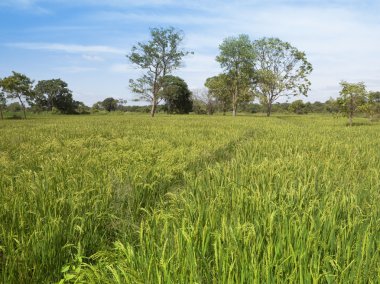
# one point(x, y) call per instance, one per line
point(1, 113)
point(269, 109)
point(153, 110)
point(23, 106)
point(234, 102)
point(351, 115)
point(155, 94)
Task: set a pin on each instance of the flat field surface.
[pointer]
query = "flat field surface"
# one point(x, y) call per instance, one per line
point(189, 199)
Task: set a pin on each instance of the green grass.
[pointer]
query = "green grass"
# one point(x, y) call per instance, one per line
point(189, 199)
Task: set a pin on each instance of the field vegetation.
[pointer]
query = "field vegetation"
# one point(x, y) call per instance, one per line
point(189, 199)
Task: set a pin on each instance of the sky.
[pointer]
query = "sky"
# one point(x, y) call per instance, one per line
point(85, 42)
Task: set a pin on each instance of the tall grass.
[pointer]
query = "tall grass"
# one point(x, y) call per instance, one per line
point(189, 200)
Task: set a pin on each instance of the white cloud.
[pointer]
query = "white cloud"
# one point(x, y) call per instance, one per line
point(173, 19)
point(75, 69)
point(29, 5)
point(18, 3)
point(197, 68)
point(121, 68)
point(90, 57)
point(69, 48)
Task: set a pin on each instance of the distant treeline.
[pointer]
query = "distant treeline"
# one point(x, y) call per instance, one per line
point(109, 105)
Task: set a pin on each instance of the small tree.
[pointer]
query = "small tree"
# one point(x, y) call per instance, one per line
point(318, 107)
point(203, 102)
point(352, 96)
point(3, 104)
point(372, 104)
point(281, 70)
point(158, 58)
point(121, 104)
point(298, 107)
point(237, 59)
point(81, 108)
point(176, 94)
point(18, 86)
point(14, 107)
point(110, 104)
point(96, 107)
point(221, 89)
point(332, 106)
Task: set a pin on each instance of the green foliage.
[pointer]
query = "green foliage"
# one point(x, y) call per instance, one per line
point(81, 108)
point(158, 57)
point(237, 59)
point(332, 106)
point(371, 106)
point(298, 107)
point(18, 86)
point(3, 104)
point(318, 107)
point(220, 87)
point(204, 102)
point(176, 94)
point(53, 93)
point(352, 97)
point(280, 70)
point(14, 107)
point(109, 104)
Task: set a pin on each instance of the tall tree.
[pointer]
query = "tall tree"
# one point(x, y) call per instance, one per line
point(158, 57)
point(18, 86)
point(281, 70)
point(176, 94)
point(221, 89)
point(352, 97)
point(237, 59)
point(3, 103)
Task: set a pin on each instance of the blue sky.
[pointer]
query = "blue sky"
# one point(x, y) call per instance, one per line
point(84, 42)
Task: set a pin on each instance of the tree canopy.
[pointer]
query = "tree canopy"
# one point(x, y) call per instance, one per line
point(176, 94)
point(372, 104)
point(298, 107)
point(352, 96)
point(221, 89)
point(110, 104)
point(280, 70)
point(54, 93)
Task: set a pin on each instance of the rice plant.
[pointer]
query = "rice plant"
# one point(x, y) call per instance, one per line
point(127, 199)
